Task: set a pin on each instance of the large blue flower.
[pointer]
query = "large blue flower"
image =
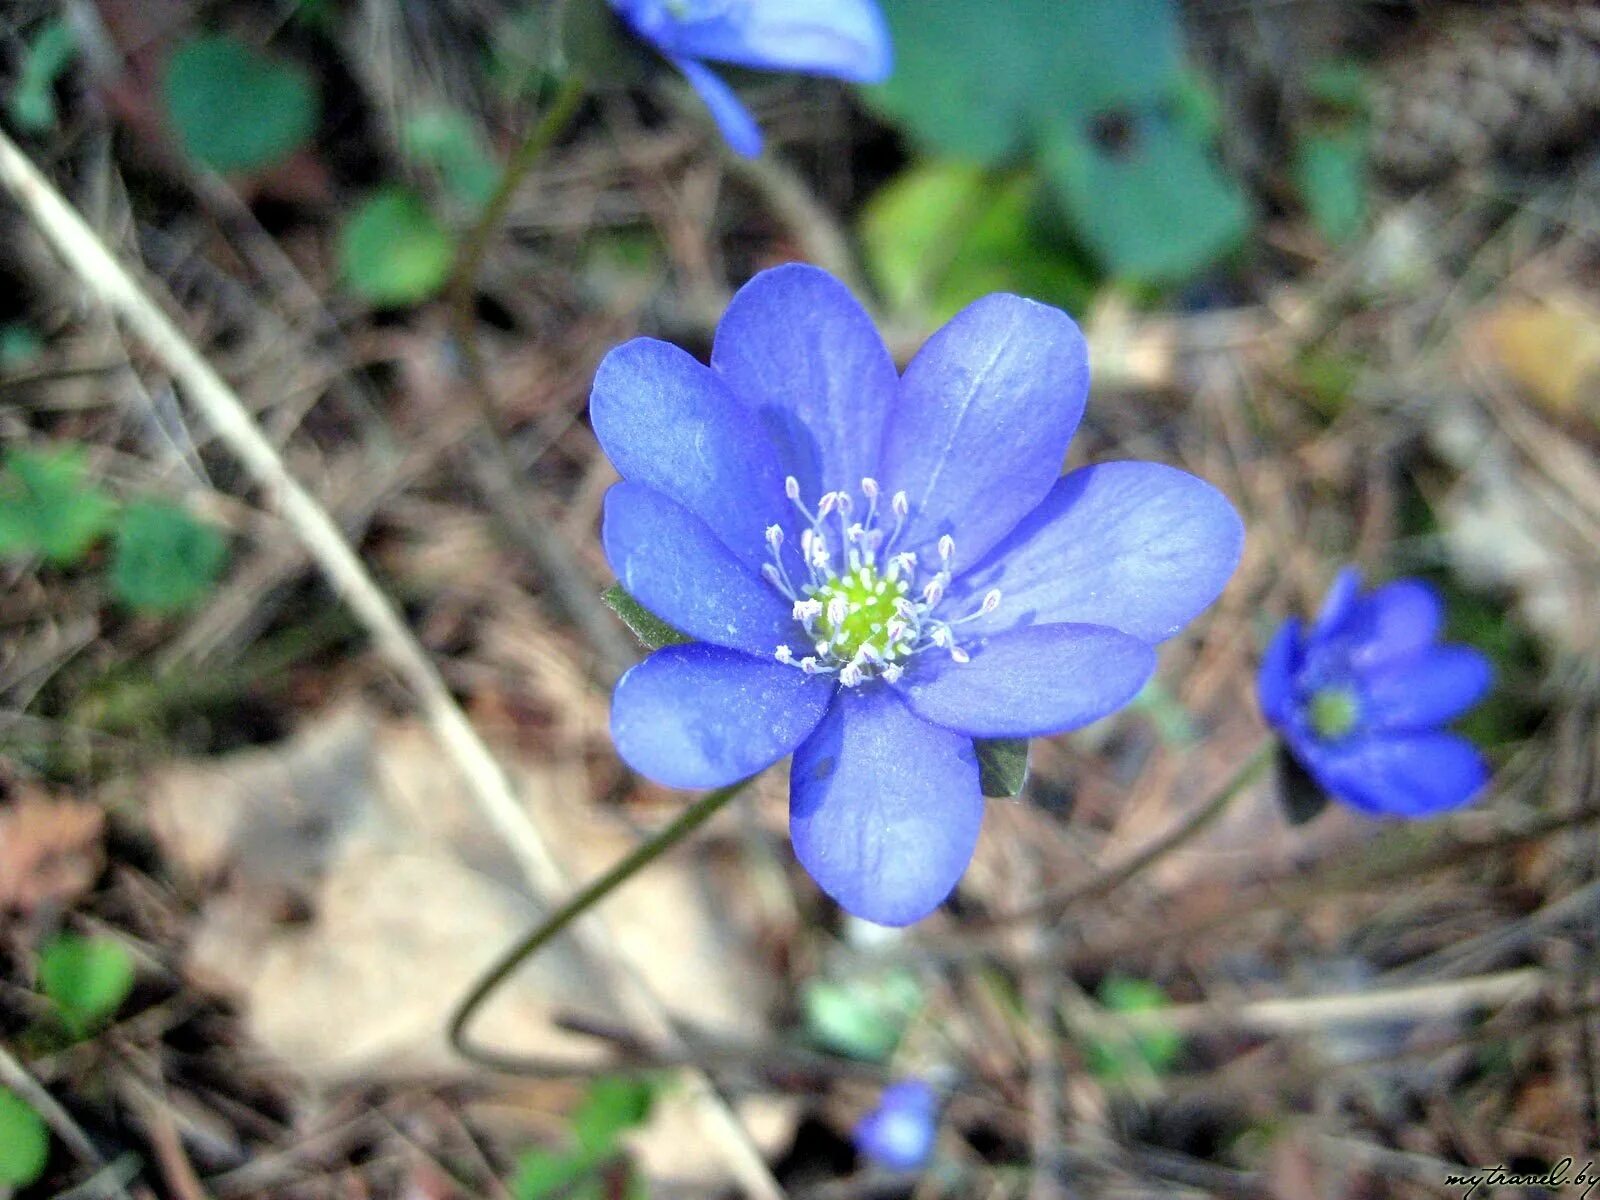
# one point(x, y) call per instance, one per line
point(899, 1133)
point(1360, 698)
point(879, 568)
point(844, 39)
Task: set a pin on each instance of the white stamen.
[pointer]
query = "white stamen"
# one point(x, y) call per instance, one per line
point(893, 672)
point(850, 674)
point(899, 504)
point(933, 593)
point(947, 548)
point(784, 655)
point(791, 487)
point(869, 488)
point(774, 536)
point(807, 610)
point(838, 610)
point(960, 655)
point(991, 600)
point(808, 665)
point(827, 504)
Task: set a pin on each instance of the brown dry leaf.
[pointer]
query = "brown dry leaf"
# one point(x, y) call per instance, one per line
point(411, 896)
point(51, 851)
point(1551, 348)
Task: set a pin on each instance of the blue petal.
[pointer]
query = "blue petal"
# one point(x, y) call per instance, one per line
point(668, 422)
point(1394, 622)
point(1425, 691)
point(669, 560)
point(797, 348)
point(985, 413)
point(848, 39)
point(739, 128)
point(1275, 679)
point(697, 716)
point(899, 1133)
point(1136, 546)
point(884, 809)
point(1034, 681)
point(1339, 602)
point(1414, 775)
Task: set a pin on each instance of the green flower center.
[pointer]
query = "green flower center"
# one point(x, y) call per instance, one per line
point(1334, 712)
point(860, 610)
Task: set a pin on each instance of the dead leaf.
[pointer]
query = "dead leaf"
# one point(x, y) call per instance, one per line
point(1551, 349)
point(51, 852)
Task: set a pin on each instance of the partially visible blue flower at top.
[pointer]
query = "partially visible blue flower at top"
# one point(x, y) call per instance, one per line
point(879, 568)
point(1361, 696)
point(843, 39)
point(899, 1132)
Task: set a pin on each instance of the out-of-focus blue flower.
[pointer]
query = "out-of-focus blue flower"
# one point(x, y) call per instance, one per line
point(899, 1133)
point(1361, 695)
point(844, 39)
point(878, 569)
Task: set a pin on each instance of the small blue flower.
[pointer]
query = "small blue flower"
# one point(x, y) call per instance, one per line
point(844, 39)
point(879, 568)
point(1360, 698)
point(899, 1133)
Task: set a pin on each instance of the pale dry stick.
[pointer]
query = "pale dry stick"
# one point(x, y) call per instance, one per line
point(105, 278)
point(1296, 1014)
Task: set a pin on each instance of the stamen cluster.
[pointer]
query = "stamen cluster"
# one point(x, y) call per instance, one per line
point(865, 608)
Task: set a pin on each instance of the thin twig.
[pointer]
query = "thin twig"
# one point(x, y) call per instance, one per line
point(106, 279)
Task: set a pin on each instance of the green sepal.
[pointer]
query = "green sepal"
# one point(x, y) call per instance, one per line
point(1002, 766)
point(1299, 795)
point(652, 632)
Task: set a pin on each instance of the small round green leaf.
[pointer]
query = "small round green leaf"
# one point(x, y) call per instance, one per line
point(165, 560)
point(48, 508)
point(393, 251)
point(234, 108)
point(613, 1106)
point(24, 1142)
point(86, 978)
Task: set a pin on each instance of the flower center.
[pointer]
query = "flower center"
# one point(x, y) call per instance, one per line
point(1334, 712)
point(864, 609)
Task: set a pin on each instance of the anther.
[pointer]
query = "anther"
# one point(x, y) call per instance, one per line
point(991, 600)
point(947, 548)
point(838, 610)
point(899, 504)
point(784, 655)
point(893, 672)
point(791, 487)
point(933, 593)
point(869, 488)
point(827, 503)
point(807, 610)
point(774, 536)
point(850, 674)
point(960, 655)
point(808, 665)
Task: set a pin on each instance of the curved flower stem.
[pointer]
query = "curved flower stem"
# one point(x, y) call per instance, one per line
point(696, 815)
point(1055, 906)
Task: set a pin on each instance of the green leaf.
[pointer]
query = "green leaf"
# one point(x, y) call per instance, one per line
point(1299, 795)
point(946, 233)
point(47, 508)
point(652, 632)
point(1002, 765)
point(613, 1106)
point(165, 560)
point(446, 141)
point(1149, 1049)
point(393, 251)
point(235, 109)
point(19, 345)
point(1145, 193)
point(86, 978)
point(548, 1174)
point(24, 1142)
point(863, 1017)
point(33, 99)
point(1330, 171)
point(1097, 93)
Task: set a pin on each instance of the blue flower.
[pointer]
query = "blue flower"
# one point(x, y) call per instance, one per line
point(1360, 698)
point(899, 1133)
point(845, 39)
point(879, 568)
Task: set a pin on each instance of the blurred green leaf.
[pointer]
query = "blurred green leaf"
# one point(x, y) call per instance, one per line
point(863, 1017)
point(446, 141)
point(165, 560)
point(1145, 193)
point(1002, 766)
point(1146, 1050)
point(613, 1106)
point(33, 97)
point(596, 45)
point(393, 251)
point(652, 632)
point(1330, 172)
point(946, 233)
point(87, 979)
point(1174, 725)
point(24, 1142)
point(48, 508)
point(19, 345)
point(1098, 94)
point(234, 108)
point(549, 1174)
